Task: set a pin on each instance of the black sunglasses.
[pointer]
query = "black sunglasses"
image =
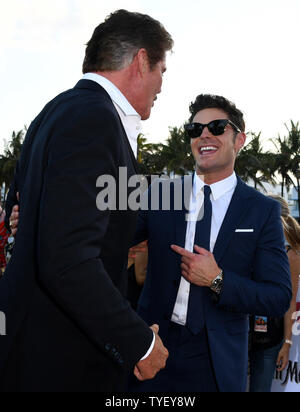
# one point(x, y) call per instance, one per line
point(216, 127)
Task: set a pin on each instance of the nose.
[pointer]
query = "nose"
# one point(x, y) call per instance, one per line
point(205, 133)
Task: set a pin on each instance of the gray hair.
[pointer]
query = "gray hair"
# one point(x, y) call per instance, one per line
point(116, 42)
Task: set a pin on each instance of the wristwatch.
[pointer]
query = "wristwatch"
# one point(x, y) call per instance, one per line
point(217, 283)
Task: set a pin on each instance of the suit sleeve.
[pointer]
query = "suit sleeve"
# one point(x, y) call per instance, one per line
point(72, 231)
point(20, 171)
point(268, 292)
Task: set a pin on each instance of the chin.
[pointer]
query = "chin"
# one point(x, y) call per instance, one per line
point(146, 115)
point(204, 166)
point(203, 169)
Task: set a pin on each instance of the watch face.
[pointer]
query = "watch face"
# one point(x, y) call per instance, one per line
point(217, 284)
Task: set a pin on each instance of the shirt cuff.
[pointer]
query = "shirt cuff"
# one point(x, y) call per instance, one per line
point(150, 349)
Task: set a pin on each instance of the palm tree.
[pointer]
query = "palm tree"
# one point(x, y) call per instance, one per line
point(284, 158)
point(253, 163)
point(173, 157)
point(293, 142)
point(8, 160)
point(150, 157)
point(177, 154)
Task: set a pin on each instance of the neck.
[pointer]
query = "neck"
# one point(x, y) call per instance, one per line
point(123, 80)
point(211, 178)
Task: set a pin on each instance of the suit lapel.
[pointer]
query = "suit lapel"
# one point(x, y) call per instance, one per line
point(237, 209)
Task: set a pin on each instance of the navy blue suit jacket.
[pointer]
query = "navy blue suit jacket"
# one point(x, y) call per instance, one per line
point(69, 326)
point(256, 275)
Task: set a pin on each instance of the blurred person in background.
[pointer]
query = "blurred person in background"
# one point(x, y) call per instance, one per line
point(137, 270)
point(272, 338)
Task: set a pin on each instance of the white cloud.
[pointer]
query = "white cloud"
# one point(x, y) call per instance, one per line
point(38, 25)
point(41, 52)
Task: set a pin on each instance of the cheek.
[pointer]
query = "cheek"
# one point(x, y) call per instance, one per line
point(194, 148)
point(160, 83)
point(237, 147)
point(157, 84)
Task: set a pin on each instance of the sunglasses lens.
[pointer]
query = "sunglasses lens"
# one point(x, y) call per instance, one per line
point(193, 130)
point(217, 127)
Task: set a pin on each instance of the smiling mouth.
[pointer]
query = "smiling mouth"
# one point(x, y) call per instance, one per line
point(207, 150)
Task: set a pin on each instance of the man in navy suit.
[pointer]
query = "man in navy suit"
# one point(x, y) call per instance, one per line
point(212, 263)
point(69, 326)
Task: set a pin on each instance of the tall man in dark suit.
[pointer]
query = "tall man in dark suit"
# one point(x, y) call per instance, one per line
point(69, 327)
point(212, 263)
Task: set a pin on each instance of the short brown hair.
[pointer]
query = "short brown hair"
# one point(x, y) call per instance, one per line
point(210, 101)
point(118, 39)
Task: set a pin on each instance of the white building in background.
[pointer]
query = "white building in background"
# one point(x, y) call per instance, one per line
point(293, 202)
point(291, 196)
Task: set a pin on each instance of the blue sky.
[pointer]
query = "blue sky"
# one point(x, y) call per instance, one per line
point(246, 50)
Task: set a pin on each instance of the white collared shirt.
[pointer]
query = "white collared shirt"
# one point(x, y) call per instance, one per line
point(130, 119)
point(221, 195)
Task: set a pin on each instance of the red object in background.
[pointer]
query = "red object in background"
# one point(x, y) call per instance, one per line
point(4, 235)
point(298, 310)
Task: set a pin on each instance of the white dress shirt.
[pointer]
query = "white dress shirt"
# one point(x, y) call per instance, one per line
point(221, 195)
point(131, 120)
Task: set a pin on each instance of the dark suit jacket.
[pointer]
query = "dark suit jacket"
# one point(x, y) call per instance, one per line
point(256, 275)
point(69, 327)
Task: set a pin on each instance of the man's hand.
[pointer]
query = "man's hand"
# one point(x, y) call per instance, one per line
point(149, 367)
point(198, 268)
point(283, 357)
point(14, 220)
point(140, 248)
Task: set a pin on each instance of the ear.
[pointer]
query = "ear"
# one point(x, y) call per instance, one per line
point(143, 61)
point(240, 141)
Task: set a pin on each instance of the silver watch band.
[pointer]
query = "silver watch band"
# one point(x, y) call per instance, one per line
point(217, 283)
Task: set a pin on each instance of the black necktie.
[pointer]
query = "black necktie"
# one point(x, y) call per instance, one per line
point(195, 316)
